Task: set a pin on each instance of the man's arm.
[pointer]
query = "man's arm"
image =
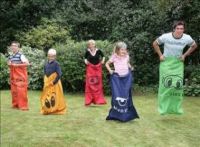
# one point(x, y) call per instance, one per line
point(189, 51)
point(157, 50)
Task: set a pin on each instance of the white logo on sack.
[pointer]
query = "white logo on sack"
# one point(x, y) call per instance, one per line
point(121, 101)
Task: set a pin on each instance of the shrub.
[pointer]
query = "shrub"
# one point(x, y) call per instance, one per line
point(44, 35)
point(71, 59)
point(4, 72)
point(192, 81)
point(35, 70)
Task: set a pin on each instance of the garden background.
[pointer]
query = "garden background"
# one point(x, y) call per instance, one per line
point(66, 25)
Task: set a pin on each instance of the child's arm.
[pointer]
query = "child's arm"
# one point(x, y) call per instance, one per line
point(24, 60)
point(59, 73)
point(9, 62)
point(102, 55)
point(131, 67)
point(86, 61)
point(108, 67)
point(129, 64)
point(14, 64)
point(103, 60)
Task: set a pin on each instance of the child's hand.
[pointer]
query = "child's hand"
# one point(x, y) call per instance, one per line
point(86, 62)
point(15, 65)
point(9, 62)
point(102, 62)
point(132, 68)
point(51, 84)
point(111, 72)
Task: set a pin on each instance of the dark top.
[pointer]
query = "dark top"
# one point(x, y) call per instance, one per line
point(94, 59)
point(52, 67)
point(15, 58)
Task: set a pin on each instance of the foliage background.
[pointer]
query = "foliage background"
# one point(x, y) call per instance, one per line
point(67, 24)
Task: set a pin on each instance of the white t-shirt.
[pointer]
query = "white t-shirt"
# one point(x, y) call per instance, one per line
point(24, 59)
point(174, 47)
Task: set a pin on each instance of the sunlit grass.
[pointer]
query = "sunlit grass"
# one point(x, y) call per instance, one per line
point(86, 126)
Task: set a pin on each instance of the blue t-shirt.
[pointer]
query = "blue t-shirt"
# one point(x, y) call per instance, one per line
point(173, 47)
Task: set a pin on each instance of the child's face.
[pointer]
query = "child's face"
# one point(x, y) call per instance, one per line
point(91, 46)
point(14, 47)
point(122, 51)
point(51, 57)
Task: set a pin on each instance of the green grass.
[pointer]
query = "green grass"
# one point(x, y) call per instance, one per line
point(86, 126)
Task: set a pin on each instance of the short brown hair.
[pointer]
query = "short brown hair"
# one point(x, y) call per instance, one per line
point(178, 23)
point(15, 42)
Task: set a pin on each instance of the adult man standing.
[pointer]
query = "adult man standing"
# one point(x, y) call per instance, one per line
point(170, 93)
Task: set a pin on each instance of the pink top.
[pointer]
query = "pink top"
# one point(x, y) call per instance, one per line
point(120, 64)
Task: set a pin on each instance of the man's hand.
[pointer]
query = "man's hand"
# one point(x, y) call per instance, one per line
point(182, 58)
point(162, 58)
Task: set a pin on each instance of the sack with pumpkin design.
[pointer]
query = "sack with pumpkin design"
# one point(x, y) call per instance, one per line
point(52, 98)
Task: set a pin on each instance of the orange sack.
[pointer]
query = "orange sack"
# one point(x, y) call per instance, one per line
point(52, 98)
point(19, 85)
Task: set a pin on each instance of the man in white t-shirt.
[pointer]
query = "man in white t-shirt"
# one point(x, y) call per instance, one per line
point(170, 92)
point(174, 43)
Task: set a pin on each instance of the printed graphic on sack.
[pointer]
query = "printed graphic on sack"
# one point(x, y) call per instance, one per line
point(49, 102)
point(172, 81)
point(121, 101)
point(93, 80)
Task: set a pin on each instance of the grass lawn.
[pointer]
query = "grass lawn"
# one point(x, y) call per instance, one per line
point(86, 126)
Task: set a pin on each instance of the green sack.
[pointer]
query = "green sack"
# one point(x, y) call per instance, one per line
point(170, 94)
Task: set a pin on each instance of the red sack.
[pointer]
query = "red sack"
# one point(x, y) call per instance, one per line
point(19, 85)
point(94, 87)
